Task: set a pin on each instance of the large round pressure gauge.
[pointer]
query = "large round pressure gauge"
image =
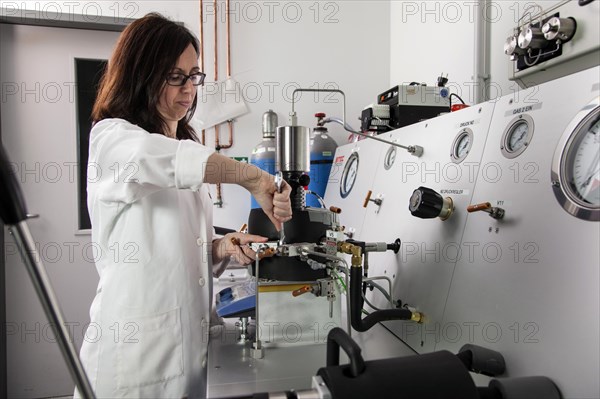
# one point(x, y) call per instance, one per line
point(390, 158)
point(462, 145)
point(576, 165)
point(517, 136)
point(349, 175)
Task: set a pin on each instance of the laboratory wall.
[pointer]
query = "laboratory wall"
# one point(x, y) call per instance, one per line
point(275, 48)
point(433, 37)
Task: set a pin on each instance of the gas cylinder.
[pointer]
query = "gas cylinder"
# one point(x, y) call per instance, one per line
point(263, 155)
point(322, 150)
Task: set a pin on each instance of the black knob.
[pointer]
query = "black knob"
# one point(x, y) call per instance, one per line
point(425, 203)
point(304, 180)
point(395, 246)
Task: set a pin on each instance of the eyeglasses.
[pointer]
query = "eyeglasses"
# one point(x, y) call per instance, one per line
point(180, 79)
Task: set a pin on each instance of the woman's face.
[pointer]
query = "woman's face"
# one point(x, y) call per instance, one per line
point(175, 101)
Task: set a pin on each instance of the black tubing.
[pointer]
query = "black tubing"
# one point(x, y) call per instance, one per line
point(339, 338)
point(356, 305)
point(12, 203)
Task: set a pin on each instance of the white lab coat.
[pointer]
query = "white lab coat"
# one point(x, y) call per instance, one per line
point(152, 232)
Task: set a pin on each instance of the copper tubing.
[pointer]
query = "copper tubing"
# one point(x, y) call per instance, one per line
point(216, 48)
point(228, 69)
point(201, 39)
point(201, 36)
point(335, 209)
point(479, 207)
point(227, 33)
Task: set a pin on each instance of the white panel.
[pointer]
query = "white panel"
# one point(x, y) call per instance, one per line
point(422, 270)
point(530, 290)
point(353, 212)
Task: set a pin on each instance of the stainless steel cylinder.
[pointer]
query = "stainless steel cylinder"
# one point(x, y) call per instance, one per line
point(511, 46)
point(532, 37)
point(559, 28)
point(292, 149)
point(269, 124)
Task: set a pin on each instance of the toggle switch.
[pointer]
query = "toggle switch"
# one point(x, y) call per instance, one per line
point(493, 211)
point(426, 203)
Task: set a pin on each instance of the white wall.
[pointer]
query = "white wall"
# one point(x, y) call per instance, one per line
point(276, 46)
point(430, 37)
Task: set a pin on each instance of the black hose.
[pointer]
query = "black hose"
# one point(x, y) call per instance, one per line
point(339, 338)
point(356, 305)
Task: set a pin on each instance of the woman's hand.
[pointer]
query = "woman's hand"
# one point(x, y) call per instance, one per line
point(277, 206)
point(235, 245)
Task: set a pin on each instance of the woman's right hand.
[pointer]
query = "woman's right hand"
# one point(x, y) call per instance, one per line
point(277, 206)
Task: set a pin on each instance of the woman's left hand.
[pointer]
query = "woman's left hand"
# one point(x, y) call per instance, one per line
point(235, 245)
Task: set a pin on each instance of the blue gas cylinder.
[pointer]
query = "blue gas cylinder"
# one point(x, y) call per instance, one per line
point(263, 155)
point(322, 151)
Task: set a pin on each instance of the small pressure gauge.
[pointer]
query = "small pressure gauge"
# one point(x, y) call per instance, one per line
point(390, 157)
point(517, 136)
point(461, 145)
point(349, 175)
point(576, 165)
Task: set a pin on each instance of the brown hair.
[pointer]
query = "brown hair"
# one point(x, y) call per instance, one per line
point(145, 53)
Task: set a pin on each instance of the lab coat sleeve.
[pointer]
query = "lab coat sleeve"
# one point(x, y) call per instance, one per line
point(219, 268)
point(131, 163)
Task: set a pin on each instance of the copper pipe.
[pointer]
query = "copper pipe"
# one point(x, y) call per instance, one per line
point(216, 26)
point(219, 202)
point(201, 39)
point(228, 61)
point(201, 35)
point(230, 123)
point(227, 33)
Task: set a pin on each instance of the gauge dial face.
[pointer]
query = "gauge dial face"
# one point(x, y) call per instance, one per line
point(583, 165)
point(390, 158)
point(462, 149)
point(576, 165)
point(462, 145)
point(349, 175)
point(517, 136)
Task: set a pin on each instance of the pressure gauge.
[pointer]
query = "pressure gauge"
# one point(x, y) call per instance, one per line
point(390, 158)
point(517, 136)
point(461, 145)
point(349, 175)
point(576, 165)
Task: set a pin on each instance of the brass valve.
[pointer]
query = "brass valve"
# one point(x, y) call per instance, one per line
point(355, 250)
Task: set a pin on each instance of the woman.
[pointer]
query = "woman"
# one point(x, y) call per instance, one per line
point(152, 218)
